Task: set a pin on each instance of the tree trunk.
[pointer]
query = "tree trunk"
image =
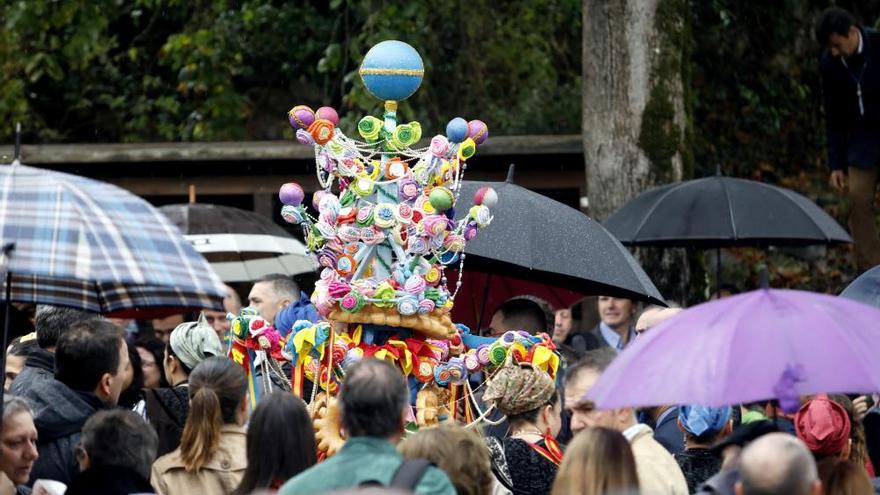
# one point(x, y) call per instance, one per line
point(636, 111)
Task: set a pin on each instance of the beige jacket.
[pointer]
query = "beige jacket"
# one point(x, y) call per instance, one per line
point(220, 476)
point(658, 472)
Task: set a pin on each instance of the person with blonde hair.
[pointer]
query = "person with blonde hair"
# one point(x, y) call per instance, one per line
point(212, 456)
point(598, 461)
point(459, 452)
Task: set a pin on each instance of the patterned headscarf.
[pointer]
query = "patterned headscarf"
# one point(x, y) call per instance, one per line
point(520, 388)
point(194, 341)
point(823, 425)
point(700, 420)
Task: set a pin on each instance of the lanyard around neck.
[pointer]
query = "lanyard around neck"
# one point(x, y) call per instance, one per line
point(858, 82)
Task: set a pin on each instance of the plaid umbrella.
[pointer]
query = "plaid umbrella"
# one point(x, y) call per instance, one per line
point(93, 246)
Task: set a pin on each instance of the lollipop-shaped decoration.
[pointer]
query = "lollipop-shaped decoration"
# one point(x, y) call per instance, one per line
point(328, 113)
point(441, 198)
point(466, 149)
point(322, 131)
point(478, 131)
point(291, 194)
point(301, 117)
point(369, 127)
point(457, 130)
point(486, 196)
point(392, 70)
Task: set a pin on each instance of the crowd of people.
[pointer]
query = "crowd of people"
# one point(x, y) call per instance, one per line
point(101, 410)
point(104, 406)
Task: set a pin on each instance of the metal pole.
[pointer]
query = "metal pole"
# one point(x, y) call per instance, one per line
point(7, 251)
point(718, 271)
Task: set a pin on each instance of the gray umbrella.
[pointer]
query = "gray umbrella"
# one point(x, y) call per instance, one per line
point(865, 288)
point(241, 245)
point(536, 238)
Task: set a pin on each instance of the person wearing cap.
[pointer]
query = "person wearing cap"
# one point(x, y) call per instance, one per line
point(702, 426)
point(824, 426)
point(166, 409)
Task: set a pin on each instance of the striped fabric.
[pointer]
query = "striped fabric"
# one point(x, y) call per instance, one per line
point(90, 245)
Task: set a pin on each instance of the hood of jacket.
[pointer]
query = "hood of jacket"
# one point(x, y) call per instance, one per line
point(60, 411)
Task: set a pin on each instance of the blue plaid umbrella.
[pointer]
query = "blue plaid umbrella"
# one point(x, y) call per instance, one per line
point(85, 244)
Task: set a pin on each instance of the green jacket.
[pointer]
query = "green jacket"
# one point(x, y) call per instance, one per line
point(362, 459)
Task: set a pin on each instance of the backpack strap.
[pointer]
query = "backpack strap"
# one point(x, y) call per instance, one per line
point(410, 473)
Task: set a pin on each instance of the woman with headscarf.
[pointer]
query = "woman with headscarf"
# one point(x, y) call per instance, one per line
point(824, 426)
point(527, 459)
point(702, 427)
point(166, 409)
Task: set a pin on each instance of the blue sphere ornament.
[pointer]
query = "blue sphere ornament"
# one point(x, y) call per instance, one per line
point(392, 71)
point(457, 130)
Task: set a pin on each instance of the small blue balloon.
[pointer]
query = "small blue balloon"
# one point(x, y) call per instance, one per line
point(457, 130)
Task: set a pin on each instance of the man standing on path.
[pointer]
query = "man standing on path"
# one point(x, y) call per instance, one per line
point(850, 69)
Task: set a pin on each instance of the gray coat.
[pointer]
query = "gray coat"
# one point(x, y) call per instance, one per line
point(59, 415)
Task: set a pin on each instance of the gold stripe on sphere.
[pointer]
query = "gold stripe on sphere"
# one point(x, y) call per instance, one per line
point(367, 71)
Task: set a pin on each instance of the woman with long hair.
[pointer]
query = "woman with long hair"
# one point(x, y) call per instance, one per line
point(211, 459)
point(598, 461)
point(280, 443)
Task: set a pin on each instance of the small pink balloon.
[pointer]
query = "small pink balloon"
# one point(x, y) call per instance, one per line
point(291, 194)
point(328, 113)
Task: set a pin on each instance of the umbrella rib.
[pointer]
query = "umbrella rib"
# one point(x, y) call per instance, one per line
point(729, 208)
point(805, 212)
point(654, 207)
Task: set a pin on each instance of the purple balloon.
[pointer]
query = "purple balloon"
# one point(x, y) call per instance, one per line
point(291, 194)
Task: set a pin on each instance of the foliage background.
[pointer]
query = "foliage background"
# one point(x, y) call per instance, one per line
point(177, 70)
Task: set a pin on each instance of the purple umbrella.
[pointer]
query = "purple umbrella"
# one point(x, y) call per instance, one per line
point(759, 345)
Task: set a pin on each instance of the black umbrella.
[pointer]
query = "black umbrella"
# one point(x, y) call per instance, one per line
point(865, 288)
point(241, 245)
point(716, 212)
point(536, 238)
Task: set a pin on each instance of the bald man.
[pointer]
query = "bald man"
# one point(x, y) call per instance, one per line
point(778, 464)
point(664, 419)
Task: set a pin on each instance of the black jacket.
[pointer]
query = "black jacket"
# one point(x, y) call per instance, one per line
point(167, 410)
point(39, 367)
point(108, 480)
point(60, 413)
point(851, 134)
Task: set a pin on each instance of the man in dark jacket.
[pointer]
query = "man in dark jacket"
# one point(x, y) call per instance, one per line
point(50, 322)
point(850, 70)
point(90, 360)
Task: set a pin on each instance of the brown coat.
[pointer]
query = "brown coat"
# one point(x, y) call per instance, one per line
point(220, 476)
point(658, 471)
